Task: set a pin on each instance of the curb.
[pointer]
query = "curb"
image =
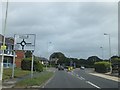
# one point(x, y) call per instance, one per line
point(106, 76)
point(42, 85)
point(45, 83)
point(113, 75)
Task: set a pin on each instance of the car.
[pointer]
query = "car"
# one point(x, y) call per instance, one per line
point(82, 67)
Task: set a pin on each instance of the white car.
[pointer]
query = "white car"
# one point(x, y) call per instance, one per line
point(82, 67)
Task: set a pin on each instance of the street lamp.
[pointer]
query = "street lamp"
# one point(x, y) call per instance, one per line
point(102, 52)
point(109, 47)
point(48, 43)
point(4, 31)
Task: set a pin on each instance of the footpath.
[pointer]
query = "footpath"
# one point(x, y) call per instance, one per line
point(110, 76)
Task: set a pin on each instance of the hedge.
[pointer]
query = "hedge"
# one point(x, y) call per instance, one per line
point(26, 65)
point(102, 67)
point(38, 66)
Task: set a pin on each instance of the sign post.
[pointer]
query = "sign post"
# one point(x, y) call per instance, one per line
point(25, 42)
point(13, 67)
point(32, 64)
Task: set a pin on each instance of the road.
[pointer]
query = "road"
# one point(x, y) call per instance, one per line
point(79, 79)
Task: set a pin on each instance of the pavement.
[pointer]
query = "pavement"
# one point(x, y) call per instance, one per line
point(106, 76)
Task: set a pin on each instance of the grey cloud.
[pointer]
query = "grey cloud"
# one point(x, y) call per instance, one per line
point(76, 29)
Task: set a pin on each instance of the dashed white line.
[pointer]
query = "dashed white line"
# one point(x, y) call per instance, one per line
point(83, 78)
point(93, 84)
point(79, 78)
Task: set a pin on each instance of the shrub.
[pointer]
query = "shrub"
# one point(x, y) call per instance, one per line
point(26, 65)
point(102, 67)
point(38, 66)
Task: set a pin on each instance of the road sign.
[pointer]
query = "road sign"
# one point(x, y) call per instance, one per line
point(24, 42)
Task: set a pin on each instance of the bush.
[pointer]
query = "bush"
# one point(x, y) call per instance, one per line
point(26, 65)
point(102, 67)
point(38, 66)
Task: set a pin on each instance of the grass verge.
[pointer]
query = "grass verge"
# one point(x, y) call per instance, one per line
point(7, 73)
point(36, 81)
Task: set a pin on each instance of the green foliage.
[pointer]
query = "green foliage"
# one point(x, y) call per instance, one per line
point(38, 66)
point(36, 81)
point(28, 54)
point(62, 59)
point(57, 55)
point(115, 60)
point(18, 73)
point(26, 65)
point(102, 67)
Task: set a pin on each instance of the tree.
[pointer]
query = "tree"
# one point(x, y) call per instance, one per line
point(58, 55)
point(115, 60)
point(28, 54)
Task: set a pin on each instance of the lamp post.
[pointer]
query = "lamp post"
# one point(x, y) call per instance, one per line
point(48, 53)
point(4, 31)
point(109, 46)
point(109, 49)
point(102, 52)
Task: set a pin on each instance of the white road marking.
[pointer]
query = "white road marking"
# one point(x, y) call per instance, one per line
point(93, 84)
point(77, 75)
point(79, 78)
point(83, 78)
point(43, 86)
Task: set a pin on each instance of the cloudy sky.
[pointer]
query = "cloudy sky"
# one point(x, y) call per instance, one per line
point(76, 29)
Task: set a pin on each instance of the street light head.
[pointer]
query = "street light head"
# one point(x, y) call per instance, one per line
point(105, 34)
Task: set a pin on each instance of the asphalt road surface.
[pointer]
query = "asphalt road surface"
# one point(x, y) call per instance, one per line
point(79, 79)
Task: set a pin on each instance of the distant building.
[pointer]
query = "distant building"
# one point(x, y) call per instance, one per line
point(8, 53)
point(44, 61)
